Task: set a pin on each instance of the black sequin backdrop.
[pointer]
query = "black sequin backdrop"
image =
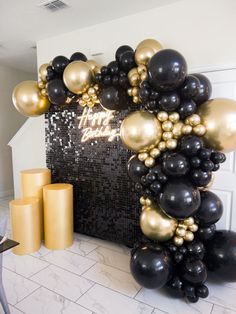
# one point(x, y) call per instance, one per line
point(105, 203)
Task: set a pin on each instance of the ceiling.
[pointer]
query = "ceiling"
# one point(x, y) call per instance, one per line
point(24, 22)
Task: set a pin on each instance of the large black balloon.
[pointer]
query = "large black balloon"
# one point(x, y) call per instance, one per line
point(151, 265)
point(221, 255)
point(136, 169)
point(167, 70)
point(205, 89)
point(180, 199)
point(59, 64)
point(190, 145)
point(190, 87)
point(57, 92)
point(78, 56)
point(210, 210)
point(113, 98)
point(187, 108)
point(194, 271)
point(127, 61)
point(175, 165)
point(121, 50)
point(169, 101)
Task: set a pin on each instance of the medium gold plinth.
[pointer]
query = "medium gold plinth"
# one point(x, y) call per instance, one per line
point(25, 221)
point(58, 215)
point(32, 182)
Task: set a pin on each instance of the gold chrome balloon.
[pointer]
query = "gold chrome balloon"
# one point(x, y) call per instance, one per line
point(28, 100)
point(145, 50)
point(43, 72)
point(219, 117)
point(140, 131)
point(156, 225)
point(95, 68)
point(77, 77)
point(152, 43)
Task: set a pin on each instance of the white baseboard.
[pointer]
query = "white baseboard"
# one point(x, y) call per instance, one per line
point(6, 193)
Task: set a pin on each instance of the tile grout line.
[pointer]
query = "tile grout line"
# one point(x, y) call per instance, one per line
point(27, 296)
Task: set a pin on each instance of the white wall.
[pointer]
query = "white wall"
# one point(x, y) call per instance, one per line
point(10, 122)
point(202, 30)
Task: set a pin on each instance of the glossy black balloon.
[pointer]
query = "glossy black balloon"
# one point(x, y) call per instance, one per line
point(175, 165)
point(194, 271)
point(196, 249)
point(113, 98)
point(51, 74)
point(136, 169)
point(151, 265)
point(167, 70)
point(190, 145)
point(78, 56)
point(169, 101)
point(121, 50)
point(190, 87)
point(127, 61)
point(205, 89)
point(187, 108)
point(176, 283)
point(202, 291)
point(179, 199)
point(206, 233)
point(210, 210)
point(200, 178)
point(59, 64)
point(57, 92)
point(221, 255)
point(114, 67)
point(195, 162)
point(217, 157)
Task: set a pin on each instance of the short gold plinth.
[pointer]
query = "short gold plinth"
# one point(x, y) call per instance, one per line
point(32, 182)
point(58, 215)
point(25, 220)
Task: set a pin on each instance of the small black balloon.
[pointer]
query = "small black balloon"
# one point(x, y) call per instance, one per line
point(205, 153)
point(126, 61)
point(155, 187)
point(217, 157)
point(200, 178)
point(167, 70)
point(136, 169)
point(175, 165)
point(51, 74)
point(190, 145)
point(114, 67)
point(202, 291)
point(186, 108)
point(179, 199)
point(121, 50)
point(151, 266)
point(194, 271)
point(195, 162)
point(221, 255)
point(196, 249)
point(144, 93)
point(190, 87)
point(207, 165)
point(113, 98)
point(57, 92)
point(206, 233)
point(176, 283)
point(59, 64)
point(205, 89)
point(169, 101)
point(78, 56)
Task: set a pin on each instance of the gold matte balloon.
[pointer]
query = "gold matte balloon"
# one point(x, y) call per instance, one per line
point(28, 100)
point(77, 77)
point(43, 72)
point(219, 117)
point(93, 66)
point(145, 50)
point(140, 131)
point(156, 225)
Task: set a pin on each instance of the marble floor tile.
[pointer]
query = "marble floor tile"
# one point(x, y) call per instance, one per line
point(80, 236)
point(17, 287)
point(24, 265)
point(44, 301)
point(13, 310)
point(156, 311)
point(222, 295)
point(70, 261)
point(110, 245)
point(111, 258)
point(82, 247)
point(160, 300)
point(105, 301)
point(221, 310)
point(63, 282)
point(113, 278)
point(41, 252)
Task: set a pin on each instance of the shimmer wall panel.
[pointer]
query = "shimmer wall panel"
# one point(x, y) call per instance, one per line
point(83, 149)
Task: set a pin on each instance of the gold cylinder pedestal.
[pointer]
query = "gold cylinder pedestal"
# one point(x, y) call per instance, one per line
point(32, 182)
point(58, 215)
point(25, 220)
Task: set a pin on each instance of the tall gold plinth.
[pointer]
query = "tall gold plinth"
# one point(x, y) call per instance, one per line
point(58, 215)
point(25, 220)
point(32, 182)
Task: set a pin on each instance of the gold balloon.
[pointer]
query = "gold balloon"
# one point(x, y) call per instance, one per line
point(219, 117)
point(77, 77)
point(156, 225)
point(43, 72)
point(28, 100)
point(94, 66)
point(140, 131)
point(145, 50)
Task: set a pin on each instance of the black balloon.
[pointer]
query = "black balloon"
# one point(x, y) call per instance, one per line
point(169, 101)
point(221, 255)
point(200, 178)
point(57, 92)
point(59, 64)
point(206, 233)
point(179, 199)
point(78, 56)
point(121, 50)
point(190, 145)
point(51, 74)
point(194, 271)
point(127, 61)
point(151, 265)
point(167, 70)
point(190, 87)
point(187, 108)
point(196, 249)
point(136, 169)
point(175, 165)
point(205, 89)
point(210, 210)
point(113, 98)
point(202, 291)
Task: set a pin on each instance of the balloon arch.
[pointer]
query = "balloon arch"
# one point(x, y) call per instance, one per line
point(178, 136)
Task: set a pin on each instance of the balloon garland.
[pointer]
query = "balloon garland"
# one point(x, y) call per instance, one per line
point(178, 135)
